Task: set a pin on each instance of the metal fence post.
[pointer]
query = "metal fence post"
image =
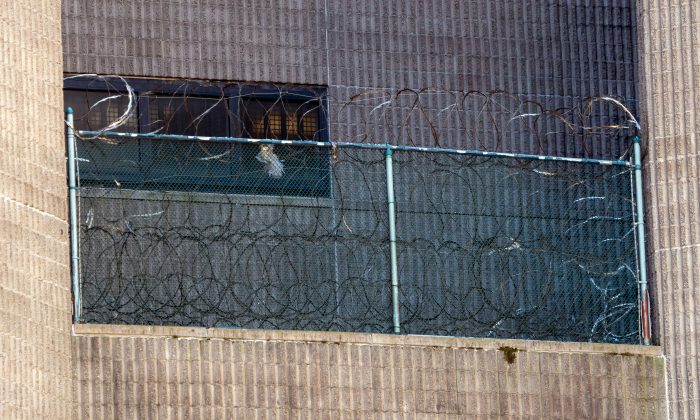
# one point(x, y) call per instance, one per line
point(643, 285)
point(73, 214)
point(392, 240)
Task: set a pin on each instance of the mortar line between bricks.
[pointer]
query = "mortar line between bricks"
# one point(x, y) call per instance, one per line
point(41, 212)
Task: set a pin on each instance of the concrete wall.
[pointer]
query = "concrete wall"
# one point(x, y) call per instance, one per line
point(192, 373)
point(670, 97)
point(554, 52)
point(35, 303)
point(566, 48)
point(557, 52)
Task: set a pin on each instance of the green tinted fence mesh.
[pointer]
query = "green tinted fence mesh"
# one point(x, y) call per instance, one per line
point(487, 246)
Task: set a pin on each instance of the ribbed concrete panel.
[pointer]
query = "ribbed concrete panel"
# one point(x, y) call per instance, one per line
point(468, 120)
point(35, 303)
point(210, 39)
point(555, 53)
point(670, 99)
point(563, 48)
point(189, 373)
point(556, 49)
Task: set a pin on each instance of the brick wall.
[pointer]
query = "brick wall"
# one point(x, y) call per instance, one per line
point(557, 52)
point(670, 98)
point(554, 52)
point(35, 305)
point(192, 373)
point(573, 48)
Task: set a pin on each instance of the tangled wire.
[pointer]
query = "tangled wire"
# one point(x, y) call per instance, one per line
point(249, 234)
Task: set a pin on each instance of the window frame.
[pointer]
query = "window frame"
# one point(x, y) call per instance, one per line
point(234, 94)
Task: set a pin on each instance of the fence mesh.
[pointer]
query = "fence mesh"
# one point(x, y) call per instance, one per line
point(151, 256)
point(220, 233)
point(488, 246)
point(501, 247)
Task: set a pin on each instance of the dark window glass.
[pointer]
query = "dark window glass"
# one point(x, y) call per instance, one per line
point(192, 166)
point(187, 116)
point(95, 110)
point(155, 164)
point(305, 168)
point(279, 119)
point(111, 162)
point(189, 165)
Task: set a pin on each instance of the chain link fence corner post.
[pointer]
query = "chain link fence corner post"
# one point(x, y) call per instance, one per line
point(73, 214)
point(643, 283)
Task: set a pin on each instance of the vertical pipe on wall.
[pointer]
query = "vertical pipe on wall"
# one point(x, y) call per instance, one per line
point(643, 284)
point(392, 240)
point(73, 214)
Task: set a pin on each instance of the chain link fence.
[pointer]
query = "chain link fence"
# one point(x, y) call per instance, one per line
point(487, 246)
point(252, 218)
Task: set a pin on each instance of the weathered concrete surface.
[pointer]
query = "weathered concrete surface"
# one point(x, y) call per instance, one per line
point(669, 73)
point(35, 303)
point(189, 373)
point(559, 50)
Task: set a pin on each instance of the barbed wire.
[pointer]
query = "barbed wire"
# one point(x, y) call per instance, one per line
point(223, 233)
point(595, 127)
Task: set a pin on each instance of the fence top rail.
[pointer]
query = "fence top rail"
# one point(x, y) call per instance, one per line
point(331, 144)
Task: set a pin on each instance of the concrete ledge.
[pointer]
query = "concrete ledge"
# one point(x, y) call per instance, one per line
point(361, 338)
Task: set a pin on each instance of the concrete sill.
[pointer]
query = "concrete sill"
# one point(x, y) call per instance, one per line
point(361, 338)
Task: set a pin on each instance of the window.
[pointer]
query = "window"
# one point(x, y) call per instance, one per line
point(275, 119)
point(200, 109)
